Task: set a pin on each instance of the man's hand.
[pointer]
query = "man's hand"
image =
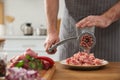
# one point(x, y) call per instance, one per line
point(51, 10)
point(102, 21)
point(91, 21)
point(51, 39)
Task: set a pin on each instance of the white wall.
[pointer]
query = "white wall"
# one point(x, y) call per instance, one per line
point(27, 11)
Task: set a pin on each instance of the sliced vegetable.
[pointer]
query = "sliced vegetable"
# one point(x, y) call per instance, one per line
point(15, 73)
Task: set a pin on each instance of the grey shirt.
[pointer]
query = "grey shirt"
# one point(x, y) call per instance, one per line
point(107, 40)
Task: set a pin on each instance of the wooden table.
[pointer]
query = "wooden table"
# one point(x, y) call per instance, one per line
point(110, 72)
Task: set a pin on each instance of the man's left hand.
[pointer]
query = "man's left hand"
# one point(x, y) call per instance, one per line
point(91, 21)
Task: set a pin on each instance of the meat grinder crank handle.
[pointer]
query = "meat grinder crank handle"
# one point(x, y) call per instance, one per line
point(60, 43)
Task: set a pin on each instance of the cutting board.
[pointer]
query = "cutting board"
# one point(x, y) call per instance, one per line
point(47, 75)
point(1, 13)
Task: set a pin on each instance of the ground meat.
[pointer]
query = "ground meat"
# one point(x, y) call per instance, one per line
point(84, 59)
point(86, 41)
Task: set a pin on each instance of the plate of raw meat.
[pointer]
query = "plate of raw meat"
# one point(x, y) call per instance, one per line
point(84, 61)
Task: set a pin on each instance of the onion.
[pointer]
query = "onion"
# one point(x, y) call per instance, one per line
point(22, 74)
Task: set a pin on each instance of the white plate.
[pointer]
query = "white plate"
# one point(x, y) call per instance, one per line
point(93, 67)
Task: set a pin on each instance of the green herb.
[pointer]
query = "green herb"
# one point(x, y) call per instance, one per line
point(36, 64)
point(32, 65)
point(29, 57)
point(20, 63)
point(39, 64)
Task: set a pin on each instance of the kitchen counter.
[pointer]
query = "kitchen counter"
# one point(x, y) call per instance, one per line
point(109, 72)
point(25, 37)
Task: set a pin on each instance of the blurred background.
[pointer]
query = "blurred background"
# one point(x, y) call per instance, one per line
point(23, 25)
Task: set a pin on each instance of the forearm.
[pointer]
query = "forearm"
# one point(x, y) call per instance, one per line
point(113, 13)
point(52, 7)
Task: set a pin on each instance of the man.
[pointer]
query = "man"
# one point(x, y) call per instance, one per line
point(103, 14)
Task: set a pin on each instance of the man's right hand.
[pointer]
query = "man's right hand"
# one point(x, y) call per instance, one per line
point(52, 38)
point(51, 10)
